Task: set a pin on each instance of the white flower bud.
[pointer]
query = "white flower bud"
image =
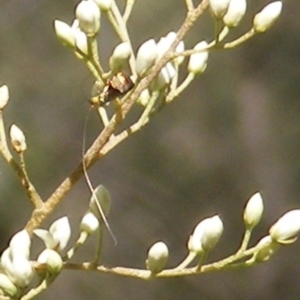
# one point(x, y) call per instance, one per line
point(267, 16)
point(170, 38)
point(89, 223)
point(120, 57)
point(206, 235)
point(286, 229)
point(20, 244)
point(104, 200)
point(22, 272)
point(17, 139)
point(64, 33)
point(198, 61)
point(4, 96)
point(7, 286)
point(61, 232)
point(146, 56)
point(157, 257)
point(253, 211)
point(219, 8)
point(81, 42)
point(267, 248)
point(213, 229)
point(88, 15)
point(6, 264)
point(235, 12)
point(104, 5)
point(164, 77)
point(58, 235)
point(52, 259)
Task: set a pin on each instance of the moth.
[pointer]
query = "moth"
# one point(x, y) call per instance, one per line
point(115, 87)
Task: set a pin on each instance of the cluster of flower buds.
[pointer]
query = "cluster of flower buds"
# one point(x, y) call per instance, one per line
point(283, 232)
point(17, 271)
point(132, 67)
point(230, 12)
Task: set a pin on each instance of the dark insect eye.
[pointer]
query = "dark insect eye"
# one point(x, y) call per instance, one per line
point(115, 87)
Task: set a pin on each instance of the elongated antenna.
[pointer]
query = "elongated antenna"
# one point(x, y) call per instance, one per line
point(88, 181)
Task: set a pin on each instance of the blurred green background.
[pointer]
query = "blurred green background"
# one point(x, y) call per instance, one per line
point(235, 131)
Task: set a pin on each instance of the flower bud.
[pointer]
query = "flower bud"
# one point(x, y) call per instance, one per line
point(146, 56)
point(267, 16)
point(102, 196)
point(218, 8)
point(17, 139)
point(20, 244)
point(253, 211)
point(21, 272)
point(198, 61)
point(267, 248)
point(89, 223)
point(52, 259)
point(206, 235)
point(88, 15)
point(120, 57)
point(81, 43)
point(61, 232)
point(235, 12)
point(7, 286)
point(170, 38)
point(286, 229)
point(58, 235)
point(157, 257)
point(4, 96)
point(213, 229)
point(104, 5)
point(64, 33)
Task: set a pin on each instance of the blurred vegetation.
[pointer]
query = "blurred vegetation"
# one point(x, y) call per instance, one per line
point(234, 132)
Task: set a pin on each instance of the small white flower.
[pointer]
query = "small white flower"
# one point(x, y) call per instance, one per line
point(253, 211)
point(218, 7)
point(61, 232)
point(88, 15)
point(235, 12)
point(146, 57)
point(20, 244)
point(80, 38)
point(157, 257)
point(198, 61)
point(52, 259)
point(64, 33)
point(17, 139)
point(4, 96)
point(286, 229)
point(267, 16)
point(89, 223)
point(119, 59)
point(58, 235)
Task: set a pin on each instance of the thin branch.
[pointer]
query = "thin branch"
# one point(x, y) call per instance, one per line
point(19, 169)
point(94, 154)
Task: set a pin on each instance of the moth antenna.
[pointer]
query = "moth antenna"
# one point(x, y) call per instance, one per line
point(92, 190)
